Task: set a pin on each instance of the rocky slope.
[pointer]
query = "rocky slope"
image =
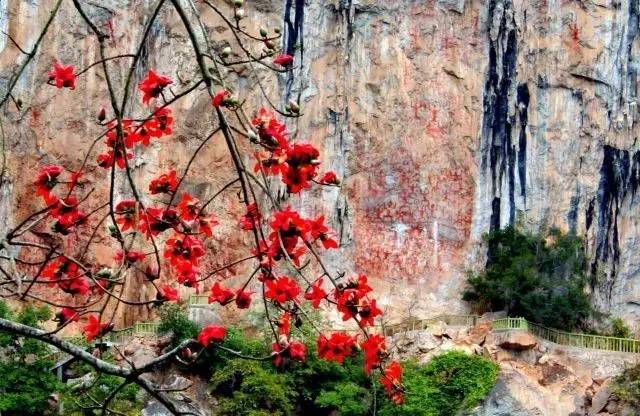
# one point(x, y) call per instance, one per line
point(445, 119)
point(536, 377)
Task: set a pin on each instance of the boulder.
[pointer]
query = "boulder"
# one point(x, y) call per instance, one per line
point(478, 333)
point(453, 5)
point(601, 398)
point(517, 340)
point(517, 394)
point(438, 329)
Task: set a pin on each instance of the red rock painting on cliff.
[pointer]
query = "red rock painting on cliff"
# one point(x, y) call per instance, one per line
point(409, 227)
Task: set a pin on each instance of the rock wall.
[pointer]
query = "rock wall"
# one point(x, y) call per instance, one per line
point(445, 119)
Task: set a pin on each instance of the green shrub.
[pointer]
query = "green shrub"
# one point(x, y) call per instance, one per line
point(529, 277)
point(626, 386)
point(619, 329)
point(174, 321)
point(348, 398)
point(27, 380)
point(247, 388)
point(126, 401)
point(449, 384)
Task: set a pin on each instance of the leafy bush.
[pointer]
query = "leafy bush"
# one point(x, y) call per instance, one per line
point(27, 380)
point(312, 387)
point(249, 388)
point(77, 398)
point(348, 398)
point(626, 386)
point(531, 277)
point(619, 329)
point(448, 384)
point(445, 386)
point(174, 321)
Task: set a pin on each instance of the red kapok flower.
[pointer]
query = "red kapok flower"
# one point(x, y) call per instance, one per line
point(330, 178)
point(183, 248)
point(126, 212)
point(63, 76)
point(315, 294)
point(302, 165)
point(211, 333)
point(368, 312)
point(188, 207)
point(67, 315)
point(220, 98)
point(186, 274)
point(391, 380)
point(243, 299)
point(94, 328)
point(337, 347)
point(282, 289)
point(374, 348)
point(220, 294)
point(132, 256)
point(297, 350)
point(284, 60)
point(272, 133)
point(153, 85)
point(164, 184)
point(162, 123)
point(206, 224)
point(76, 286)
point(319, 231)
point(249, 220)
point(284, 324)
point(169, 294)
point(46, 180)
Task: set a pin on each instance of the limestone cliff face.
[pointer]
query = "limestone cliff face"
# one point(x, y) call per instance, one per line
point(445, 119)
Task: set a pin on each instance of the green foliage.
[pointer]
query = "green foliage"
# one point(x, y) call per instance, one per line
point(530, 277)
point(100, 388)
point(348, 398)
point(249, 388)
point(626, 386)
point(449, 384)
point(619, 329)
point(312, 387)
point(445, 386)
point(174, 321)
point(27, 380)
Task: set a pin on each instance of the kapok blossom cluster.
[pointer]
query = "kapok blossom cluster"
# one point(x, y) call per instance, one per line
point(185, 225)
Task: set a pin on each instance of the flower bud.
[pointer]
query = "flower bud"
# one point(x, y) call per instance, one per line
point(113, 231)
point(295, 108)
point(238, 3)
point(276, 29)
point(186, 353)
point(263, 32)
point(239, 14)
point(269, 44)
point(102, 115)
point(104, 273)
point(226, 51)
point(151, 273)
point(253, 137)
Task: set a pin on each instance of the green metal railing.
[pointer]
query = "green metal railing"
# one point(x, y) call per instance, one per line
point(559, 337)
point(570, 339)
point(198, 300)
point(421, 324)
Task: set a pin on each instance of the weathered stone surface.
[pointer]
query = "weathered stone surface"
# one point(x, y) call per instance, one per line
point(477, 334)
point(515, 340)
point(516, 395)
